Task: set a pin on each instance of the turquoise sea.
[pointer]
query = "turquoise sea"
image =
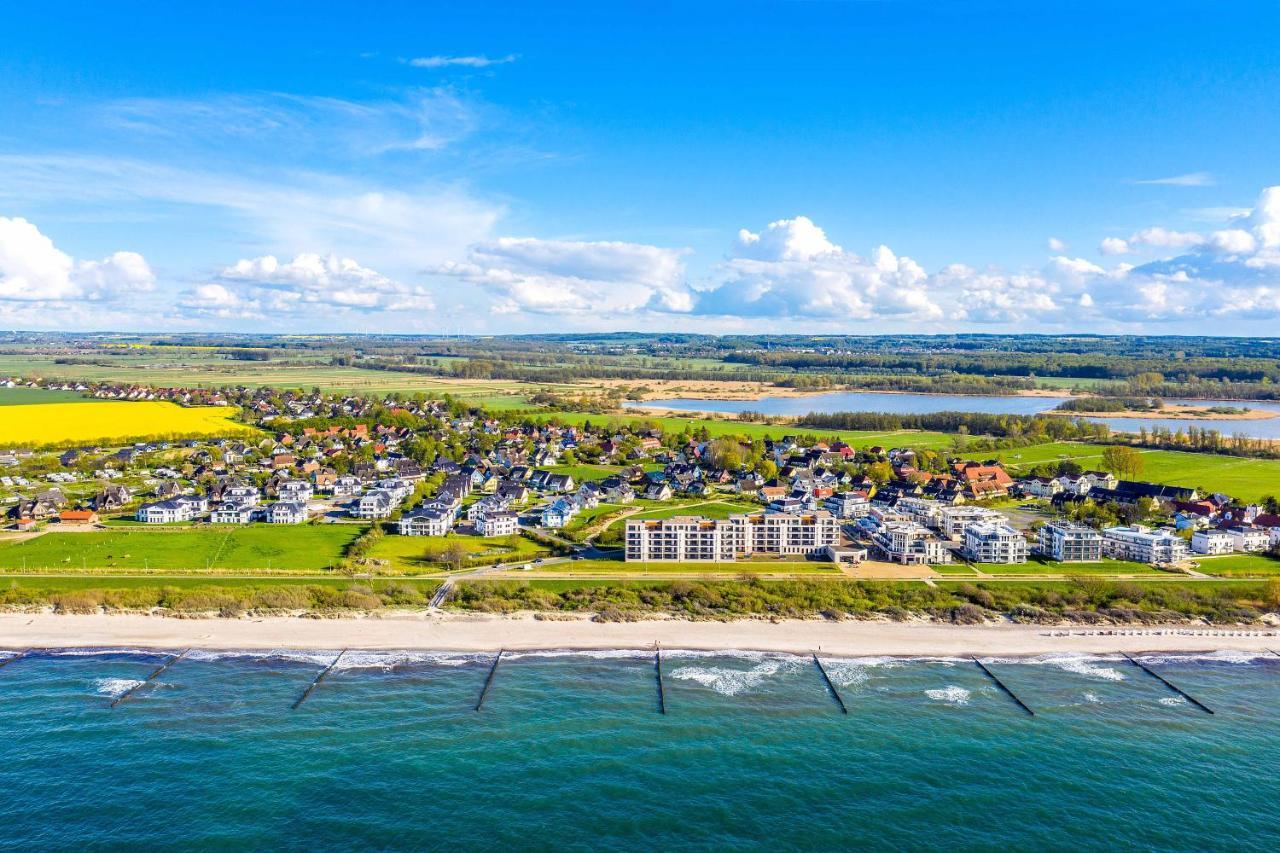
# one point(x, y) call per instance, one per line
point(570, 751)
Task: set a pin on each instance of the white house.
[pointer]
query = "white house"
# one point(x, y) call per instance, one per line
point(502, 523)
point(909, 543)
point(558, 513)
point(181, 508)
point(1212, 542)
point(429, 521)
point(232, 513)
point(375, 504)
point(1249, 539)
point(243, 495)
point(847, 505)
point(287, 512)
point(295, 491)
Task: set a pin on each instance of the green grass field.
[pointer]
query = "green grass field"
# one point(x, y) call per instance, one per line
point(1239, 565)
point(1038, 566)
point(254, 548)
point(1248, 479)
point(30, 396)
point(715, 509)
point(426, 553)
point(717, 427)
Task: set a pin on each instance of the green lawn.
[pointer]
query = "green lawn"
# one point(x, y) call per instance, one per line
point(274, 548)
point(714, 509)
point(427, 553)
point(584, 472)
point(74, 582)
point(1040, 566)
point(1239, 565)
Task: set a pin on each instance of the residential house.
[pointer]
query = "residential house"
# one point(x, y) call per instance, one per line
point(1069, 543)
point(1143, 545)
point(503, 523)
point(287, 512)
point(994, 542)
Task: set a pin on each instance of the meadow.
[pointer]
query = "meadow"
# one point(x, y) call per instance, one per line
point(1248, 479)
point(28, 396)
point(428, 553)
point(208, 548)
point(103, 422)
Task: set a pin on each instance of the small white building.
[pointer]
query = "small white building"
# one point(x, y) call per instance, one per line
point(1249, 539)
point(287, 512)
point(847, 505)
point(232, 513)
point(1212, 541)
point(375, 504)
point(502, 523)
point(430, 521)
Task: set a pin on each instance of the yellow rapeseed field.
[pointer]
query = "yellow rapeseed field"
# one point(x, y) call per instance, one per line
point(54, 423)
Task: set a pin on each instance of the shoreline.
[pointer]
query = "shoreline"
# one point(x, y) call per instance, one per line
point(523, 633)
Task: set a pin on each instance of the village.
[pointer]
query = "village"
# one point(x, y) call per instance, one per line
point(438, 468)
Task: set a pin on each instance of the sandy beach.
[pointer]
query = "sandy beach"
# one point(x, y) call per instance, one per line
point(476, 633)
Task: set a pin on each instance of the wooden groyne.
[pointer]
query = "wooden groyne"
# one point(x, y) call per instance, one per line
point(662, 691)
point(1167, 683)
point(1004, 687)
point(831, 687)
point(19, 656)
point(319, 678)
point(150, 678)
point(488, 682)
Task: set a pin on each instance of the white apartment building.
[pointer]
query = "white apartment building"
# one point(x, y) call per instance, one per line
point(847, 505)
point(956, 518)
point(286, 512)
point(1070, 543)
point(696, 539)
point(1143, 545)
point(911, 544)
point(503, 523)
point(375, 504)
point(1249, 539)
point(232, 514)
point(921, 511)
point(431, 521)
point(994, 542)
point(1212, 542)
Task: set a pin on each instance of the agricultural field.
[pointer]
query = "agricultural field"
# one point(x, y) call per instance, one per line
point(278, 549)
point(28, 396)
point(103, 422)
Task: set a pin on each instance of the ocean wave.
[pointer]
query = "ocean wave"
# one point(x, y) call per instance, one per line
point(731, 682)
point(391, 660)
point(591, 654)
point(1092, 698)
point(98, 652)
point(1229, 656)
point(1173, 700)
point(951, 695)
point(115, 687)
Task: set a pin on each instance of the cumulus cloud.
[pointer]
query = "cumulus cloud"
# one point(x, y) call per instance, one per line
point(572, 277)
point(460, 61)
point(310, 284)
point(1056, 245)
point(33, 269)
point(1114, 246)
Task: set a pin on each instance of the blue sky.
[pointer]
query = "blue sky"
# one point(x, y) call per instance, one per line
point(791, 166)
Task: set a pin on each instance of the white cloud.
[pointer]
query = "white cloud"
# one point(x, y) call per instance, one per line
point(461, 61)
point(1056, 245)
point(1191, 179)
point(1164, 238)
point(1114, 246)
point(1235, 241)
point(569, 277)
point(33, 269)
point(309, 285)
point(786, 240)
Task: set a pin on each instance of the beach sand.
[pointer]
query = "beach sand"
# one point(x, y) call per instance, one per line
point(453, 632)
